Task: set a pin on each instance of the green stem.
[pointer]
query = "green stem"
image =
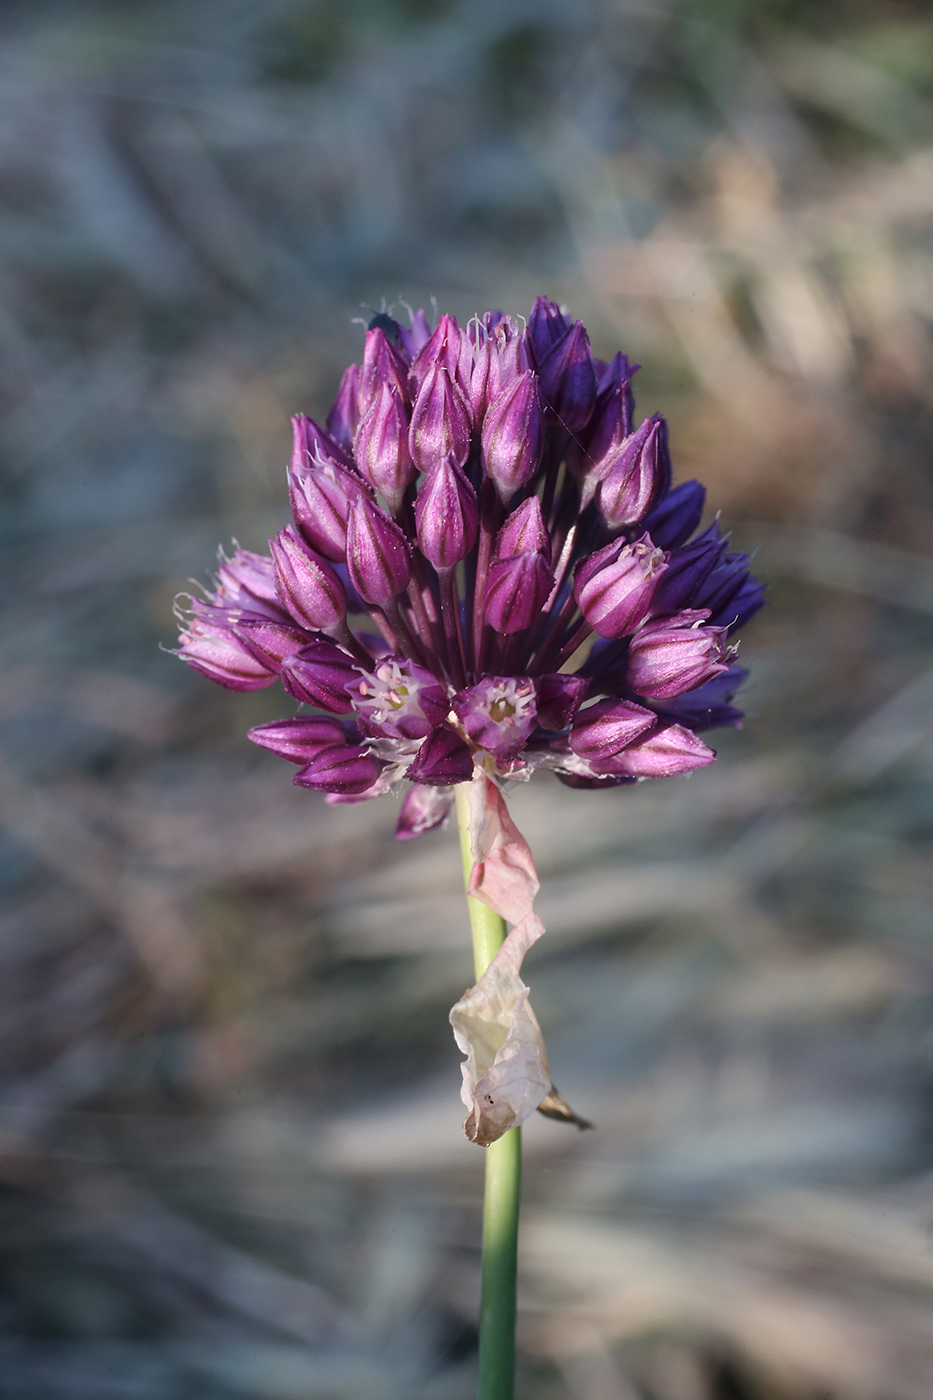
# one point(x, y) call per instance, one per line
point(503, 1179)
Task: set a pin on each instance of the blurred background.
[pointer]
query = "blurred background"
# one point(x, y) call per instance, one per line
point(230, 1155)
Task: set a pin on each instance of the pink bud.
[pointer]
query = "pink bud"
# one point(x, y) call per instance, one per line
point(446, 515)
point(378, 555)
point(674, 655)
point(637, 475)
point(513, 435)
point(603, 730)
point(381, 447)
point(320, 501)
point(306, 583)
point(345, 415)
point(298, 740)
point(615, 586)
point(524, 529)
point(382, 367)
point(440, 422)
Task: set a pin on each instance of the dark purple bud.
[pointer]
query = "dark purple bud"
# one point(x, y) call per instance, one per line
point(298, 740)
point(513, 435)
point(208, 643)
point(344, 416)
point(247, 581)
point(688, 569)
point(323, 675)
point(636, 476)
point(745, 603)
point(668, 750)
point(349, 771)
point(423, 809)
point(524, 530)
point(381, 447)
point(446, 515)
point(440, 422)
point(442, 760)
point(616, 586)
point(498, 713)
point(721, 589)
point(617, 371)
point(311, 445)
point(593, 456)
point(382, 367)
point(320, 502)
point(378, 555)
point(516, 590)
point(568, 380)
point(708, 707)
point(603, 730)
point(558, 698)
point(400, 700)
point(670, 656)
point(674, 519)
point(307, 584)
point(546, 325)
point(418, 336)
point(270, 642)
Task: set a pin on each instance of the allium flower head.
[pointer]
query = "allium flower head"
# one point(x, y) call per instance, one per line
point(487, 570)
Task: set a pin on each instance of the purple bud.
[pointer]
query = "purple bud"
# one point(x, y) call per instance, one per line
point(668, 750)
point(742, 606)
point(382, 367)
point(309, 587)
point(516, 590)
point(348, 770)
point(513, 435)
point(247, 581)
point(688, 569)
point(381, 447)
point(478, 396)
point(440, 422)
point(270, 642)
point(442, 760)
point(311, 445)
point(610, 425)
point(707, 707)
point(616, 586)
point(208, 644)
point(498, 713)
point(323, 675)
point(441, 349)
point(298, 740)
point(320, 502)
point(509, 357)
point(418, 336)
point(344, 416)
point(603, 730)
point(568, 380)
point(670, 656)
point(546, 325)
point(400, 700)
point(446, 515)
point(617, 371)
point(524, 530)
point(423, 809)
point(722, 586)
point(558, 698)
point(378, 555)
point(674, 519)
point(637, 475)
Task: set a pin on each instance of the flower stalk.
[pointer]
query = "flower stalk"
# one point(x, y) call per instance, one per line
point(502, 1193)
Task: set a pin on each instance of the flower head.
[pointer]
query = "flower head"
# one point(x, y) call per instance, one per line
point(487, 570)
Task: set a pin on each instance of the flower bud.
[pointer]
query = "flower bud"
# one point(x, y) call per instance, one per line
point(441, 349)
point(636, 476)
point(524, 529)
point(309, 587)
point(616, 586)
point(603, 730)
point(423, 809)
point(478, 392)
point(707, 706)
point(741, 606)
point(247, 581)
point(298, 740)
point(498, 713)
point(669, 749)
point(400, 700)
point(568, 380)
point(417, 336)
point(208, 644)
point(675, 517)
point(312, 446)
point(558, 697)
point(721, 588)
point(381, 447)
point(442, 760)
point(673, 655)
point(382, 367)
point(320, 501)
point(347, 770)
point(344, 415)
point(617, 372)
point(687, 571)
point(513, 435)
point(517, 588)
point(270, 642)
point(592, 455)
point(509, 356)
point(546, 325)
point(378, 555)
point(446, 515)
point(440, 422)
point(321, 674)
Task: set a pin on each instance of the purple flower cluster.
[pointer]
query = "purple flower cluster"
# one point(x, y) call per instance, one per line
point(487, 567)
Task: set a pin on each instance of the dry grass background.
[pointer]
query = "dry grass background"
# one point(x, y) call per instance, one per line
point(229, 1129)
